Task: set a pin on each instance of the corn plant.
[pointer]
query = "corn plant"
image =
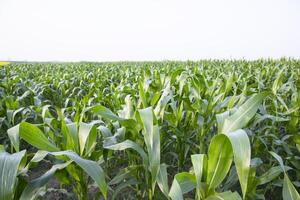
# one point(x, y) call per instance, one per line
point(78, 143)
point(209, 129)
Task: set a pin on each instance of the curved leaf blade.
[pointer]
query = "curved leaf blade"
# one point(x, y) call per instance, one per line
point(183, 183)
point(242, 156)
point(9, 164)
point(198, 161)
point(243, 115)
point(289, 191)
point(87, 136)
point(32, 135)
point(129, 144)
point(32, 189)
point(92, 168)
point(219, 160)
point(162, 180)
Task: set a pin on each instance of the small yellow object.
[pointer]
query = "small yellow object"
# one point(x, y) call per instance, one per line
point(3, 63)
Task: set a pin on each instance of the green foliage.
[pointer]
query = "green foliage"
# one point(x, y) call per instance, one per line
point(151, 130)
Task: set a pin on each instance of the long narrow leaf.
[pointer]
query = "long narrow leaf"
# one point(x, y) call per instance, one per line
point(92, 168)
point(33, 188)
point(9, 164)
point(198, 161)
point(182, 183)
point(32, 135)
point(162, 180)
point(243, 114)
point(289, 191)
point(129, 144)
point(242, 156)
point(219, 160)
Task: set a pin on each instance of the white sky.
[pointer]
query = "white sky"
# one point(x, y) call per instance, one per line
point(105, 30)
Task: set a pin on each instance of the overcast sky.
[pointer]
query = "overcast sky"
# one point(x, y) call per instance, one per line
point(106, 30)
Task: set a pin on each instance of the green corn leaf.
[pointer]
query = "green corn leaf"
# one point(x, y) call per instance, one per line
point(72, 136)
point(147, 120)
point(199, 161)
point(13, 134)
point(219, 160)
point(229, 82)
point(92, 168)
point(279, 159)
point(142, 94)
point(221, 119)
point(87, 137)
point(105, 131)
point(154, 156)
point(131, 145)
point(38, 156)
point(183, 183)
point(152, 140)
point(32, 190)
point(271, 174)
point(32, 135)
point(166, 96)
point(242, 156)
point(104, 112)
point(289, 191)
point(243, 115)
point(225, 196)
point(277, 81)
point(162, 180)
point(9, 165)
point(108, 114)
point(117, 137)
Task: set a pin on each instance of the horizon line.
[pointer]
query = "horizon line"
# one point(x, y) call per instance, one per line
point(158, 60)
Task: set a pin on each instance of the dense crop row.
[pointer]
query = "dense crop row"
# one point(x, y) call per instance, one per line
point(161, 130)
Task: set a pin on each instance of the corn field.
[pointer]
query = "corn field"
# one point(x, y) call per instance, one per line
point(206, 130)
